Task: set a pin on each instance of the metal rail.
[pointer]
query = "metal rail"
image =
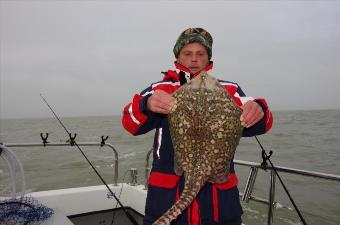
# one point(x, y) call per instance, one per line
point(309, 173)
point(254, 167)
point(247, 194)
point(50, 144)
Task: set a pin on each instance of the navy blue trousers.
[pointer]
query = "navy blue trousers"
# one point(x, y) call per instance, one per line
point(159, 200)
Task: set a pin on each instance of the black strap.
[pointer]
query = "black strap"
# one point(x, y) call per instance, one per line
point(182, 79)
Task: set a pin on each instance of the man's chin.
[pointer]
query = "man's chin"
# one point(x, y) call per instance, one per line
point(193, 71)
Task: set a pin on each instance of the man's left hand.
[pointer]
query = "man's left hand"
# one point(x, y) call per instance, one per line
point(252, 113)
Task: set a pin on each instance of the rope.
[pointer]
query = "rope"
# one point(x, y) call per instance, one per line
point(18, 209)
point(11, 160)
point(121, 190)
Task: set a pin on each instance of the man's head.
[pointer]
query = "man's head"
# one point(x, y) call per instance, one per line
point(193, 49)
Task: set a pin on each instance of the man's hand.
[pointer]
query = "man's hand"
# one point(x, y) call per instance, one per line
point(161, 102)
point(252, 113)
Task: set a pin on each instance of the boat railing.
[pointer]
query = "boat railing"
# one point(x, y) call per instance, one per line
point(246, 195)
point(50, 144)
point(254, 167)
point(249, 186)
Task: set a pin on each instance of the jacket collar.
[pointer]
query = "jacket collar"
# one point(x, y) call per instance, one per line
point(183, 74)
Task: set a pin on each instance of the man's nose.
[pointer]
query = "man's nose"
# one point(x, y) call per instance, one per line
point(194, 58)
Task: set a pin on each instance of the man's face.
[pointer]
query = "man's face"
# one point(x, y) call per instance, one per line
point(193, 56)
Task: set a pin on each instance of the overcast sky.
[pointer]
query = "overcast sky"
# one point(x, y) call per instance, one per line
point(90, 57)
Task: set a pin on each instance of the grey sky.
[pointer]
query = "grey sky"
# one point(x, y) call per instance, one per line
point(90, 57)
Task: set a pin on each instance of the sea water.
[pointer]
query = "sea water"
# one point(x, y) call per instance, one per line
point(308, 140)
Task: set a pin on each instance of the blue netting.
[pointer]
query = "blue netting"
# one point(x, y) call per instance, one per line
point(23, 211)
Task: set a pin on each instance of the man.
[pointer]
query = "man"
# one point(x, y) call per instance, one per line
point(215, 203)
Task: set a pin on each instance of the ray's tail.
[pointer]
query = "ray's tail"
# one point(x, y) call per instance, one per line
point(186, 198)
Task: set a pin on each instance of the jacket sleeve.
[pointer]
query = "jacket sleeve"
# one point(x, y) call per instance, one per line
point(136, 118)
point(265, 124)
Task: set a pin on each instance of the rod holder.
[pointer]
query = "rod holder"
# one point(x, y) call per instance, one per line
point(133, 176)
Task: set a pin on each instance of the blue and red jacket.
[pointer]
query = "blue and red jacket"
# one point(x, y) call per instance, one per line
point(215, 203)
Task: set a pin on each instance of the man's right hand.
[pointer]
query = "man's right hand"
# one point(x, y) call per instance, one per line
point(160, 102)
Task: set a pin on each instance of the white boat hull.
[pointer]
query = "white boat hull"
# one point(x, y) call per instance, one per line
point(87, 200)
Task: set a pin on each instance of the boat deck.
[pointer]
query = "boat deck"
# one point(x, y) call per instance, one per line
point(91, 205)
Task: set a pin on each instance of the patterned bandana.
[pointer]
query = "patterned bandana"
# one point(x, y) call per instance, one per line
point(192, 35)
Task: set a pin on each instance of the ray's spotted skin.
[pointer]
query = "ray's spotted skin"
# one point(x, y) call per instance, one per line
point(205, 130)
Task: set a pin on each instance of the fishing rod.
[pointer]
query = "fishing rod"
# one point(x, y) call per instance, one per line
point(130, 217)
point(266, 157)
